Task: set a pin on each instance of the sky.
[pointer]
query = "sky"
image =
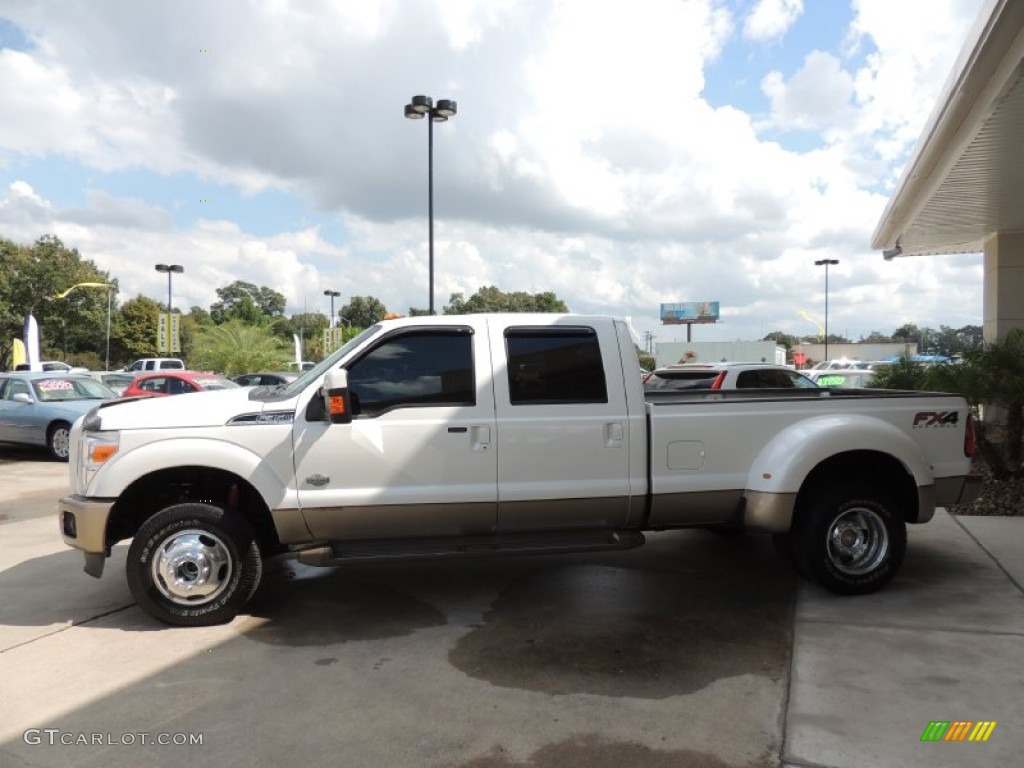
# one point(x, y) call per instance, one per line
point(623, 153)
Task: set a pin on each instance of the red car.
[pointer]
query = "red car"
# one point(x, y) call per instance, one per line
point(175, 383)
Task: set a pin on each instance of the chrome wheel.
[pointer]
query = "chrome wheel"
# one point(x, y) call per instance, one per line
point(192, 567)
point(858, 541)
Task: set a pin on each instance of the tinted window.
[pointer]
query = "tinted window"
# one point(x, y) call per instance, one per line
point(681, 380)
point(179, 387)
point(156, 384)
point(425, 368)
point(554, 365)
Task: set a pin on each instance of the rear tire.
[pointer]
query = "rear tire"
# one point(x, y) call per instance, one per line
point(58, 440)
point(850, 539)
point(194, 565)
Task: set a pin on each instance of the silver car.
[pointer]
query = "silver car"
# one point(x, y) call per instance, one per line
point(39, 408)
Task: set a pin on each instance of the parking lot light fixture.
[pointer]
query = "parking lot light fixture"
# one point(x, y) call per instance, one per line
point(333, 295)
point(826, 263)
point(170, 269)
point(420, 107)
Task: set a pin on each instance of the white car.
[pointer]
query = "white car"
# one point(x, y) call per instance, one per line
point(725, 376)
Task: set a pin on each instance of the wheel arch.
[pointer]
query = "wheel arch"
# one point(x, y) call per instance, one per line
point(157, 490)
point(879, 470)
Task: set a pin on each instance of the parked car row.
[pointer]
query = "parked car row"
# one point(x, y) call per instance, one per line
point(38, 408)
point(687, 376)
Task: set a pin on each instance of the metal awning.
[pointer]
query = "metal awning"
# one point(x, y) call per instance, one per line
point(965, 181)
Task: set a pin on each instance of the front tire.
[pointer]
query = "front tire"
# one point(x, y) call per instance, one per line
point(850, 540)
point(58, 440)
point(194, 565)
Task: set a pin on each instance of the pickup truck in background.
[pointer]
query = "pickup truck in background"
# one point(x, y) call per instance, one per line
point(472, 435)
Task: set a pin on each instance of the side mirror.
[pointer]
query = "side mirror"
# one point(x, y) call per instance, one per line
point(336, 396)
point(21, 397)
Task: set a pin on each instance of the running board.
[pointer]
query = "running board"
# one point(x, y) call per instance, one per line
point(344, 553)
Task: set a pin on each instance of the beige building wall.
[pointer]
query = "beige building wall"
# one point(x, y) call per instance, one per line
point(1004, 284)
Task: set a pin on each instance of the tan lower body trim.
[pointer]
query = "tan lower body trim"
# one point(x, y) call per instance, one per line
point(678, 510)
point(772, 512)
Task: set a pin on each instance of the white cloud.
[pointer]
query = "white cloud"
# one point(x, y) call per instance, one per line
point(583, 160)
point(817, 96)
point(770, 19)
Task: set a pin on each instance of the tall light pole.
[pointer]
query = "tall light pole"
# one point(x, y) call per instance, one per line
point(332, 294)
point(417, 109)
point(170, 269)
point(110, 299)
point(826, 263)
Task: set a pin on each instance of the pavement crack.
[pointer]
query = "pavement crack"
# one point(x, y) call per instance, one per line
point(976, 540)
point(79, 623)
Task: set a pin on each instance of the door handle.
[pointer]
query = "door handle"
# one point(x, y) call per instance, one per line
point(480, 438)
point(613, 433)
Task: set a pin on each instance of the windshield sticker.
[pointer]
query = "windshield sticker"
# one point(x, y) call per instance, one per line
point(49, 385)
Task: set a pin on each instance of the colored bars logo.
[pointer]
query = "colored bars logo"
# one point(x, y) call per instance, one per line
point(958, 730)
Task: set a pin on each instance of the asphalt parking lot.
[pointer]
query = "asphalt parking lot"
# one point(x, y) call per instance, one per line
point(694, 650)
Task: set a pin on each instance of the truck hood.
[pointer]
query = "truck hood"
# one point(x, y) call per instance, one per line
point(196, 409)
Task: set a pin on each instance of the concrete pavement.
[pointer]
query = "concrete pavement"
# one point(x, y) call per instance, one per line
point(691, 651)
point(943, 642)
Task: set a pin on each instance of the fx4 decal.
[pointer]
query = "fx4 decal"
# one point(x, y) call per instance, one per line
point(936, 419)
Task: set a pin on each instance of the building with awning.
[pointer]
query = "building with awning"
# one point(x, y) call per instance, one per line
point(963, 189)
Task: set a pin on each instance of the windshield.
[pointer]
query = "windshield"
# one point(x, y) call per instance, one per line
point(214, 382)
point(293, 389)
point(61, 388)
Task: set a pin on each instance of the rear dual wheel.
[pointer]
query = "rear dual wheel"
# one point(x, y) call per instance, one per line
point(850, 539)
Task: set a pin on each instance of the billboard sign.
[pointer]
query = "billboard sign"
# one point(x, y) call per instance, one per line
point(689, 312)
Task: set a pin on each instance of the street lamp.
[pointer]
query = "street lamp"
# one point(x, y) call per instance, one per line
point(170, 269)
point(110, 299)
point(419, 108)
point(826, 263)
point(332, 294)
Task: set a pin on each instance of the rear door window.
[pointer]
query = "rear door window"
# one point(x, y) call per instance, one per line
point(554, 366)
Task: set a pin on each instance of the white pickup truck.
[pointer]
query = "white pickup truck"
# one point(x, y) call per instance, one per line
point(496, 434)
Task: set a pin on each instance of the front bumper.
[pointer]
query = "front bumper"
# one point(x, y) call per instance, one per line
point(83, 524)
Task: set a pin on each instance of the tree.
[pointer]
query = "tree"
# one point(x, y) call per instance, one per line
point(247, 302)
point(134, 329)
point(491, 299)
point(30, 277)
point(955, 342)
point(233, 347)
point(907, 332)
point(876, 337)
point(782, 339)
point(200, 316)
point(363, 311)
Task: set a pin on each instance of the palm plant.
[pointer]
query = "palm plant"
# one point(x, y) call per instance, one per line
point(234, 347)
point(991, 378)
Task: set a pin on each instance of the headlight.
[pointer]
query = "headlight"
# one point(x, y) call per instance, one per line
point(97, 449)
